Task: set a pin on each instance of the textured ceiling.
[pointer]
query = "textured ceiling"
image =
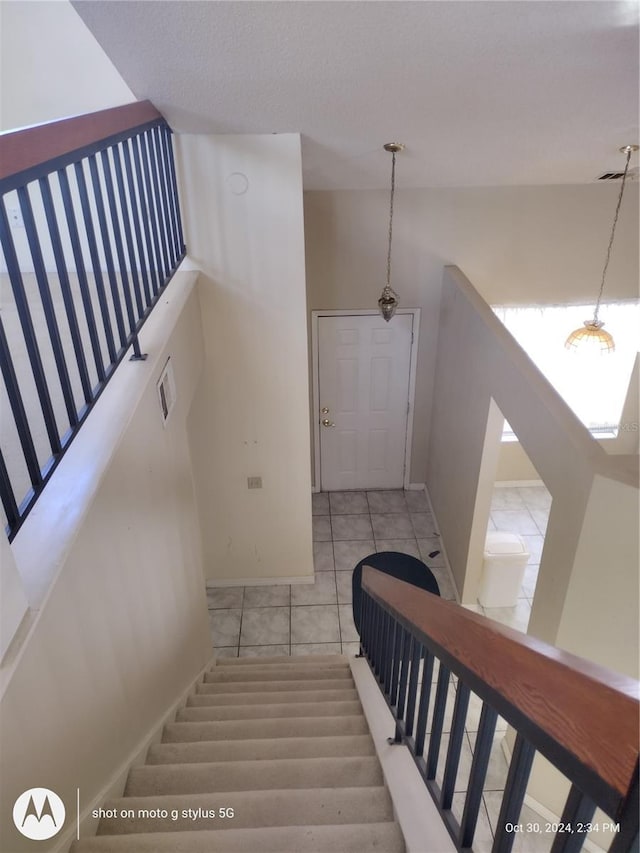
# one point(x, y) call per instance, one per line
point(482, 93)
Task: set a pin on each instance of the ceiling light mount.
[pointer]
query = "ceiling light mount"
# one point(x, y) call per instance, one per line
point(592, 333)
point(388, 301)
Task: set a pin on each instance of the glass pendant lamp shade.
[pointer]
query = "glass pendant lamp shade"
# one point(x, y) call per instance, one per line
point(591, 337)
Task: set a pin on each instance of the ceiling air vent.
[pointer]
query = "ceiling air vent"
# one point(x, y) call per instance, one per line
point(618, 176)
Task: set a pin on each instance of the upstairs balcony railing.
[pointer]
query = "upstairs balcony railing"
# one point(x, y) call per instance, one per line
point(91, 235)
point(582, 718)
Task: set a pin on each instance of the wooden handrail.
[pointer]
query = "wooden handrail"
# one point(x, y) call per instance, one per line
point(591, 712)
point(21, 150)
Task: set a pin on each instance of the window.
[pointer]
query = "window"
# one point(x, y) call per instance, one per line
point(594, 386)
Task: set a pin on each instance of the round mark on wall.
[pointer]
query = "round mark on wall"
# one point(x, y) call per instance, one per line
point(238, 183)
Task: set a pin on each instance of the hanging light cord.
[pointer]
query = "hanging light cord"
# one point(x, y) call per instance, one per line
point(393, 187)
point(613, 231)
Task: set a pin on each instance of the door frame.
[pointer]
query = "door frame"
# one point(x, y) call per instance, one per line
point(315, 382)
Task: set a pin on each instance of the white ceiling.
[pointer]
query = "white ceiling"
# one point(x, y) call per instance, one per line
point(482, 92)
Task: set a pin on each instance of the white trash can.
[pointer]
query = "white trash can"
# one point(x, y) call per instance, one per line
point(505, 559)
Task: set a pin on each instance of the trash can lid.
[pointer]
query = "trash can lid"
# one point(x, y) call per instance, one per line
point(502, 543)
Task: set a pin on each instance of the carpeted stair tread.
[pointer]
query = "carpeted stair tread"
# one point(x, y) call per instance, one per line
point(260, 712)
point(260, 749)
point(274, 686)
point(289, 807)
point(347, 838)
point(151, 781)
point(275, 728)
point(282, 742)
point(293, 660)
point(217, 699)
point(277, 673)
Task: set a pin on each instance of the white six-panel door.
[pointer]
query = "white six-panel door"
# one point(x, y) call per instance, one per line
point(363, 384)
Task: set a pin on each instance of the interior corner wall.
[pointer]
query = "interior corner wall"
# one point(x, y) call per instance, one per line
point(558, 445)
point(241, 198)
point(51, 66)
point(519, 245)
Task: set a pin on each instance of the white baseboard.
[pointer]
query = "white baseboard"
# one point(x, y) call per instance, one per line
point(415, 487)
point(87, 825)
point(219, 583)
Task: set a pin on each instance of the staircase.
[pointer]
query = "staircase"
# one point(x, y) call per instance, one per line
point(278, 749)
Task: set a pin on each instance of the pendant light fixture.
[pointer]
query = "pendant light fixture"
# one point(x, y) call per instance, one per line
point(388, 301)
point(591, 336)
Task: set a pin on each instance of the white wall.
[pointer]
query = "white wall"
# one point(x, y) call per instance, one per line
point(518, 245)
point(242, 208)
point(13, 601)
point(111, 563)
point(51, 66)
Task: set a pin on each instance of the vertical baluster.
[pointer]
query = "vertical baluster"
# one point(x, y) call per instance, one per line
point(106, 245)
point(172, 194)
point(423, 703)
point(174, 184)
point(413, 686)
point(479, 766)
point(437, 721)
point(395, 673)
point(65, 287)
point(131, 337)
point(81, 272)
point(87, 215)
point(136, 216)
point(375, 636)
point(8, 497)
point(153, 195)
point(33, 351)
point(164, 195)
point(386, 672)
point(517, 778)
point(47, 304)
point(126, 221)
point(145, 214)
point(407, 641)
point(578, 809)
point(19, 413)
point(456, 738)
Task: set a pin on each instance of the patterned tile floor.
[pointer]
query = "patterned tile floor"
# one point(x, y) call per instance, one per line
point(317, 619)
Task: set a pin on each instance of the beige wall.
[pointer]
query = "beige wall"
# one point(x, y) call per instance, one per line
point(13, 601)
point(242, 207)
point(123, 629)
point(516, 244)
point(51, 66)
point(605, 581)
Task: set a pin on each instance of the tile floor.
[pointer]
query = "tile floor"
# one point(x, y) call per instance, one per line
point(317, 619)
point(523, 510)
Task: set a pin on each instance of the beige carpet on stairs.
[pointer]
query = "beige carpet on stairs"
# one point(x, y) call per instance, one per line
point(282, 745)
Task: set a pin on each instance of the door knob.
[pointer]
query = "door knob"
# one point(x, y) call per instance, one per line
point(327, 423)
point(324, 410)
